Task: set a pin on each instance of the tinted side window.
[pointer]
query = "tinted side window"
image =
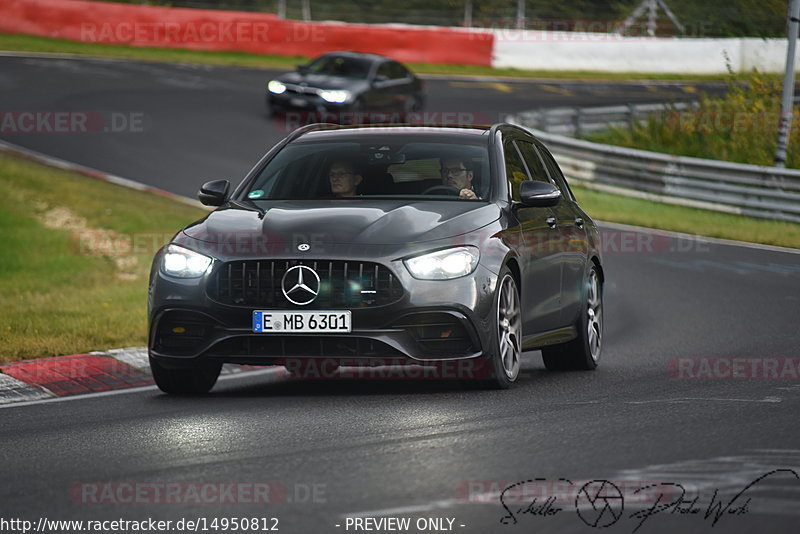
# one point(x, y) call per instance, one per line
point(555, 172)
point(532, 160)
point(515, 168)
point(397, 71)
point(385, 70)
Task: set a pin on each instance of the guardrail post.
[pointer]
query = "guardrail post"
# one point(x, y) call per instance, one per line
point(631, 116)
point(576, 121)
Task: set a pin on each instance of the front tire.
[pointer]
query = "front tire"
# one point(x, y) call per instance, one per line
point(185, 381)
point(411, 105)
point(583, 352)
point(503, 360)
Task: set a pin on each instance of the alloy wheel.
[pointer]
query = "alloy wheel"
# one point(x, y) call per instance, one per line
point(508, 327)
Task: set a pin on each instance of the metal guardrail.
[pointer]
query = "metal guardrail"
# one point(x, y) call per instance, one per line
point(579, 121)
point(753, 190)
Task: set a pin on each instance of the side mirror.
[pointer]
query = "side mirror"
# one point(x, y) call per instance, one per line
point(538, 194)
point(302, 69)
point(214, 193)
point(379, 78)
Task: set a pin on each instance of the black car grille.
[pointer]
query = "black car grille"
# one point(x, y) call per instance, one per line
point(254, 283)
point(298, 90)
point(295, 346)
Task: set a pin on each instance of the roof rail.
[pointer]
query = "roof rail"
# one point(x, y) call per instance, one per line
point(409, 125)
point(310, 128)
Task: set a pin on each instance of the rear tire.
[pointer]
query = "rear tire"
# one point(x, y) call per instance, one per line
point(583, 352)
point(359, 113)
point(186, 381)
point(503, 360)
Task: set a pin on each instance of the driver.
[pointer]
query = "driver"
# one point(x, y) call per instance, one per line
point(456, 172)
point(344, 178)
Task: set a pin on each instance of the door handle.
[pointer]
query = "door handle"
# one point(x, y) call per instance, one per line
point(551, 222)
point(579, 222)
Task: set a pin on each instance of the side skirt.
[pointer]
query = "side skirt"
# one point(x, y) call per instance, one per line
point(552, 337)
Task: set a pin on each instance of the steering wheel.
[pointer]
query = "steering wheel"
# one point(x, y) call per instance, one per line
point(443, 189)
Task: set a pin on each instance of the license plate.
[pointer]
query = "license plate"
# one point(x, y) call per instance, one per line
point(298, 102)
point(301, 322)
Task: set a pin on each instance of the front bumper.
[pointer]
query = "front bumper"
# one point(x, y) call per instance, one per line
point(432, 321)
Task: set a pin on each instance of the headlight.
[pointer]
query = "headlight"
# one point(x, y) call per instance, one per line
point(335, 96)
point(184, 263)
point(444, 264)
point(276, 87)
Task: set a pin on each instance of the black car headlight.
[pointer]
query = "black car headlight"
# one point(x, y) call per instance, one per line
point(276, 87)
point(336, 96)
point(184, 263)
point(444, 264)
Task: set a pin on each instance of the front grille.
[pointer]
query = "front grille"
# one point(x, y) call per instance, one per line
point(300, 90)
point(257, 283)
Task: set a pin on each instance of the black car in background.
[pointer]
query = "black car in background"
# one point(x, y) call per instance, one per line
point(382, 245)
point(347, 81)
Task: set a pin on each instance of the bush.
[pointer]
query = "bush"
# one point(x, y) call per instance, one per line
point(741, 126)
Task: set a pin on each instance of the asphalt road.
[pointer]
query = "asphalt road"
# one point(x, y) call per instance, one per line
point(333, 449)
point(176, 127)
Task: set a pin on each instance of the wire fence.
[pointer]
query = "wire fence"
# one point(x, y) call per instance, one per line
point(735, 18)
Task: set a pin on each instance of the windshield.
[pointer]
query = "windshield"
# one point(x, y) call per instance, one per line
point(347, 67)
point(380, 166)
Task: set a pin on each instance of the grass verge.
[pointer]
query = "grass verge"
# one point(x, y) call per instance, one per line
point(76, 257)
point(615, 208)
point(27, 43)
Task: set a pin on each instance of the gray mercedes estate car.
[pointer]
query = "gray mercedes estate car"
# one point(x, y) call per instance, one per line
point(382, 245)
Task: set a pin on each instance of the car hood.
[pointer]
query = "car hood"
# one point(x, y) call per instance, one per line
point(383, 222)
point(321, 81)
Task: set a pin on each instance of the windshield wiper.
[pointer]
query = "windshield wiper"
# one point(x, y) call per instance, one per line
point(248, 205)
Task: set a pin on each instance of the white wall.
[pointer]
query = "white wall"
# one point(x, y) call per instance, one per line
point(573, 51)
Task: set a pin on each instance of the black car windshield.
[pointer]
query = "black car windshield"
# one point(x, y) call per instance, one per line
point(379, 166)
point(347, 67)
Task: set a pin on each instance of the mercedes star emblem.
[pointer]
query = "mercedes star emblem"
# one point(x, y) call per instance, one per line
point(300, 285)
point(303, 247)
